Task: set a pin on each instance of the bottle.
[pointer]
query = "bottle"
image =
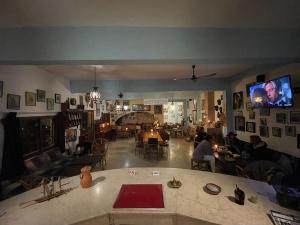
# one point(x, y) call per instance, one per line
point(239, 196)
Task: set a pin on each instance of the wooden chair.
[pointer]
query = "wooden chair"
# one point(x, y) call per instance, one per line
point(200, 165)
point(100, 149)
point(152, 148)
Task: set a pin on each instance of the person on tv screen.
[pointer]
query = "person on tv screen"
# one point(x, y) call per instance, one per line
point(275, 97)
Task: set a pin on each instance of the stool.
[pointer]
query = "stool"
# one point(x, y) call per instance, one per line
point(200, 165)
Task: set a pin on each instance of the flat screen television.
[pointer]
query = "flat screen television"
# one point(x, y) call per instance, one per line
point(274, 93)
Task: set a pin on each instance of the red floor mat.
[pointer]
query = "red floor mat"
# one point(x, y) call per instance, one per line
point(140, 196)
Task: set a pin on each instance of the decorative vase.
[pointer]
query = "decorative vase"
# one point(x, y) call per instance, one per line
point(86, 177)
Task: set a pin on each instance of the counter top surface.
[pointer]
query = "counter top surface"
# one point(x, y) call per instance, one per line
point(189, 200)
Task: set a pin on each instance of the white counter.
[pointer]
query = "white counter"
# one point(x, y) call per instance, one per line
point(95, 204)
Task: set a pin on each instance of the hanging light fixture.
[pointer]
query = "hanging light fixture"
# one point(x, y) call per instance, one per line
point(95, 93)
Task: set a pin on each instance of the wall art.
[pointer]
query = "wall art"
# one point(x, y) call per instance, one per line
point(290, 131)
point(58, 98)
point(50, 104)
point(251, 115)
point(295, 117)
point(276, 131)
point(263, 121)
point(251, 127)
point(263, 131)
point(40, 95)
point(281, 118)
point(13, 101)
point(237, 100)
point(30, 99)
point(240, 123)
point(264, 111)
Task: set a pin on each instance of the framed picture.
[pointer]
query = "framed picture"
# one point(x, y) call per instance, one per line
point(239, 113)
point(58, 99)
point(203, 104)
point(280, 118)
point(298, 140)
point(251, 115)
point(248, 106)
point(71, 135)
point(263, 121)
point(290, 131)
point(276, 131)
point(250, 127)
point(157, 109)
point(248, 88)
point(98, 105)
point(264, 111)
point(40, 95)
point(237, 100)
point(30, 99)
point(1, 88)
point(264, 131)
point(13, 101)
point(80, 100)
point(295, 117)
point(50, 104)
point(240, 123)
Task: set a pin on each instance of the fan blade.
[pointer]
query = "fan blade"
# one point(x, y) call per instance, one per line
point(207, 75)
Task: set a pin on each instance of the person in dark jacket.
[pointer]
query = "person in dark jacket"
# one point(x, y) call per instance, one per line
point(200, 135)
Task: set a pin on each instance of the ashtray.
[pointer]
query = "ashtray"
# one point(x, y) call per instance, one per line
point(212, 189)
point(174, 184)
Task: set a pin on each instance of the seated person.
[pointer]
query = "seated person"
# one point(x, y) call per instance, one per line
point(200, 134)
point(164, 134)
point(204, 151)
point(258, 150)
point(234, 144)
point(264, 170)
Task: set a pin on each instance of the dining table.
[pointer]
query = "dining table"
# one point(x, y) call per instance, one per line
point(152, 134)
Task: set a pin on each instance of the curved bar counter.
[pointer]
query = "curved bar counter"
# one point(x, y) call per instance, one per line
point(186, 205)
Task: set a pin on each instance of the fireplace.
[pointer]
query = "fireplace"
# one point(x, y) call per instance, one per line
point(37, 135)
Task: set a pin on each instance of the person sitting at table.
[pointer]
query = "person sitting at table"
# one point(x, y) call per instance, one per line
point(200, 134)
point(204, 151)
point(234, 144)
point(258, 150)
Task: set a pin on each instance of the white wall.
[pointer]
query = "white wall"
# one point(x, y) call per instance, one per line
point(19, 79)
point(285, 143)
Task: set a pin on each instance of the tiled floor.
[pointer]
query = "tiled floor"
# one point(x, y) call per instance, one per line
point(121, 154)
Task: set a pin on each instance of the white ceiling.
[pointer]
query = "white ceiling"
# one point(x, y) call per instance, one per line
point(158, 13)
point(143, 71)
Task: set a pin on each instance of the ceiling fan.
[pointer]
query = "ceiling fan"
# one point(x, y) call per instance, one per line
point(120, 95)
point(194, 77)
